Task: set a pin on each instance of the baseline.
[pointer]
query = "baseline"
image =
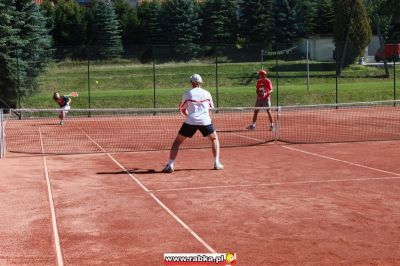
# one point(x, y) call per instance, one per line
point(280, 184)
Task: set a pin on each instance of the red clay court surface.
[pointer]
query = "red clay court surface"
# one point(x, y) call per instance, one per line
point(273, 204)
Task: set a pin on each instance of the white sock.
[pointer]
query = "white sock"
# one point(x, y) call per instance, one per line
point(171, 163)
point(216, 160)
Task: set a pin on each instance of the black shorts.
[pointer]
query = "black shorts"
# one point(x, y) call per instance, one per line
point(189, 130)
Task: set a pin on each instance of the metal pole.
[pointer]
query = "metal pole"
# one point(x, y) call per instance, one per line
point(337, 81)
point(2, 140)
point(277, 77)
point(262, 58)
point(308, 67)
point(394, 80)
point(216, 76)
point(18, 87)
point(154, 77)
point(88, 77)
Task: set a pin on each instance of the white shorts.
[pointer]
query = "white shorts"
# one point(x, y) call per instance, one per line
point(263, 102)
point(65, 109)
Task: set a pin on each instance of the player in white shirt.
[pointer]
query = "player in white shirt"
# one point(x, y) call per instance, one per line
point(195, 105)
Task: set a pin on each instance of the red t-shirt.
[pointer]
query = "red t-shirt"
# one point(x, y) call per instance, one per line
point(264, 88)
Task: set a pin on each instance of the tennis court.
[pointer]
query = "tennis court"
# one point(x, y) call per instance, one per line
point(322, 189)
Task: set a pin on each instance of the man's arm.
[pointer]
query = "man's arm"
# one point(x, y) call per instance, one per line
point(183, 106)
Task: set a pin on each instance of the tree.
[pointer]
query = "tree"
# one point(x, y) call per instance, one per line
point(393, 8)
point(128, 20)
point(307, 10)
point(106, 38)
point(287, 25)
point(380, 23)
point(353, 34)
point(9, 40)
point(48, 9)
point(325, 17)
point(36, 52)
point(256, 22)
point(70, 29)
point(181, 26)
point(25, 49)
point(219, 23)
point(149, 15)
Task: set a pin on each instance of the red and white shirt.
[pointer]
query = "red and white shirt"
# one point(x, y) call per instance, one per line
point(198, 103)
point(264, 88)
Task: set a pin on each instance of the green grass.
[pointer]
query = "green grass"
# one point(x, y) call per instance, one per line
point(130, 85)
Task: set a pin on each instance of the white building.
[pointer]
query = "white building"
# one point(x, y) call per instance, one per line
point(320, 48)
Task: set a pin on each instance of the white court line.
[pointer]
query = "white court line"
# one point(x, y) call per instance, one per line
point(194, 234)
point(280, 183)
point(342, 161)
point(52, 208)
point(245, 137)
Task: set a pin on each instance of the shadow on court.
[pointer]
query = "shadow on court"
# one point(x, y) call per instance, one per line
point(149, 171)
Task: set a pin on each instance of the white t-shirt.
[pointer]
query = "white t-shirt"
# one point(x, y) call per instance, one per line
point(197, 102)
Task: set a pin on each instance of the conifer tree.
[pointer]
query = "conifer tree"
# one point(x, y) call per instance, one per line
point(325, 17)
point(36, 52)
point(219, 21)
point(69, 27)
point(307, 11)
point(286, 22)
point(9, 40)
point(149, 15)
point(256, 22)
point(352, 34)
point(181, 26)
point(128, 20)
point(24, 49)
point(48, 8)
point(106, 38)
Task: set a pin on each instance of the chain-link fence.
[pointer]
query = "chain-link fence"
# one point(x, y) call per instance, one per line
point(157, 76)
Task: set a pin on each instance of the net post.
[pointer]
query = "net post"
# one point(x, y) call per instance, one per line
point(394, 79)
point(2, 139)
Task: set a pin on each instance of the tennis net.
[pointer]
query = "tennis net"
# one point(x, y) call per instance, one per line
point(112, 130)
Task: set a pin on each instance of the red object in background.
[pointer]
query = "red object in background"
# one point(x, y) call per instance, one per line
point(392, 52)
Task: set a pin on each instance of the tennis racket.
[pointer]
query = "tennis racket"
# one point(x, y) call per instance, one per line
point(72, 94)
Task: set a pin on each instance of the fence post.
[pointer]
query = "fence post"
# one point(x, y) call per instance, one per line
point(277, 76)
point(18, 85)
point(154, 75)
point(308, 66)
point(88, 76)
point(262, 59)
point(2, 139)
point(216, 75)
point(336, 78)
point(394, 80)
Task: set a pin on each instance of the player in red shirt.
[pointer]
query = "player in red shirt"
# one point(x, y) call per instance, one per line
point(264, 90)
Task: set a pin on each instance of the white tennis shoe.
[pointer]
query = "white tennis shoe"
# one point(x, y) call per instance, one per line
point(168, 169)
point(218, 166)
point(271, 127)
point(251, 127)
